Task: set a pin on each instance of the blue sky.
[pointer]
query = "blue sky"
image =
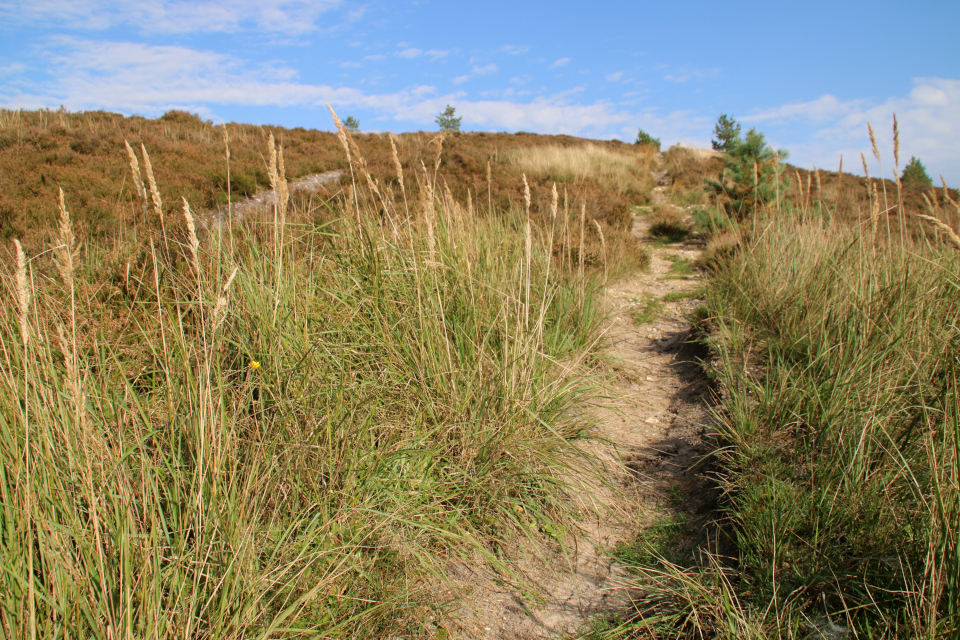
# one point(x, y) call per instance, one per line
point(809, 75)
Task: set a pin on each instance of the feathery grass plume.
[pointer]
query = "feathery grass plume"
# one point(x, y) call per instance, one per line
point(583, 223)
point(427, 210)
point(528, 250)
point(23, 293)
point(470, 212)
point(840, 175)
point(272, 171)
point(489, 188)
point(566, 217)
point(866, 172)
point(809, 188)
point(283, 189)
point(929, 204)
point(397, 165)
point(603, 245)
point(952, 236)
point(65, 253)
point(135, 174)
point(799, 188)
point(192, 242)
point(875, 214)
point(873, 142)
point(220, 309)
point(154, 192)
point(946, 195)
point(436, 162)
point(896, 143)
point(756, 174)
point(776, 173)
point(816, 173)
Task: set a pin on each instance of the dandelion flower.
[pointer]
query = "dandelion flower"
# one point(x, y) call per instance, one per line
point(254, 365)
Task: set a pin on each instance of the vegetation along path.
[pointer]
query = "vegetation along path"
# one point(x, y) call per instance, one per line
point(651, 434)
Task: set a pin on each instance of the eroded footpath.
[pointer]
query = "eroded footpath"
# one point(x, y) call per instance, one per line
point(650, 436)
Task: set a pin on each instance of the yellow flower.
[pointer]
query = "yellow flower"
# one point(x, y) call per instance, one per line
point(254, 365)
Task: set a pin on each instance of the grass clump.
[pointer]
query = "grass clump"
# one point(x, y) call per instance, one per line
point(647, 311)
point(285, 428)
point(843, 467)
point(667, 223)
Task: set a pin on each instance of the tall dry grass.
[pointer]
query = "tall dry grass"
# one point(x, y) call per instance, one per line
point(290, 433)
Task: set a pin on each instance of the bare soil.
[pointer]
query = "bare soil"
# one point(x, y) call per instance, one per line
point(651, 434)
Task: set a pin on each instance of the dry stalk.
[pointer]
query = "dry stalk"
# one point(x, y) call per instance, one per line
point(66, 251)
point(154, 192)
point(220, 309)
point(192, 242)
point(528, 250)
point(875, 214)
point(398, 167)
point(603, 245)
point(873, 142)
point(840, 176)
point(23, 293)
point(137, 177)
point(951, 235)
point(799, 188)
point(896, 144)
point(489, 189)
point(866, 172)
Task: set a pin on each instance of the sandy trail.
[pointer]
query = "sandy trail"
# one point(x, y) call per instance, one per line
point(650, 433)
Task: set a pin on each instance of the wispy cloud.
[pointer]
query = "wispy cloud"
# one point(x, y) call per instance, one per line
point(614, 77)
point(486, 69)
point(413, 52)
point(928, 118)
point(150, 79)
point(513, 49)
point(174, 16)
point(562, 62)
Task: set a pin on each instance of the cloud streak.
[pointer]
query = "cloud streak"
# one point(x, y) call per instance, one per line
point(293, 17)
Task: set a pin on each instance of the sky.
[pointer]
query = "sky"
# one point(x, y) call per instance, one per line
point(808, 75)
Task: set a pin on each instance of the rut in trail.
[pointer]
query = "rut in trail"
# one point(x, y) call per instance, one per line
point(653, 432)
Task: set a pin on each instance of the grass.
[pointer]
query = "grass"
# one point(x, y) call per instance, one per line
point(286, 428)
point(647, 311)
point(625, 169)
point(666, 223)
point(837, 352)
point(675, 296)
point(679, 267)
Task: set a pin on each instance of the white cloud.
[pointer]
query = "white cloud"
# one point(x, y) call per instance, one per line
point(562, 62)
point(486, 69)
point(375, 57)
point(351, 65)
point(461, 79)
point(149, 80)
point(173, 16)
point(513, 49)
point(413, 52)
point(928, 118)
point(614, 77)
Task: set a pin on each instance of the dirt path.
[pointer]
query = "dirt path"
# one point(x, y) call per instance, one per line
point(652, 434)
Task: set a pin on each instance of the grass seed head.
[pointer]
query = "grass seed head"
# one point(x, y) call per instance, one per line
point(193, 242)
point(948, 231)
point(135, 172)
point(23, 292)
point(896, 142)
point(154, 192)
point(866, 172)
point(65, 253)
point(873, 142)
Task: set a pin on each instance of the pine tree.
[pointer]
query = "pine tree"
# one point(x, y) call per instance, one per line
point(916, 173)
point(448, 122)
point(645, 138)
point(726, 133)
point(749, 175)
point(352, 124)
